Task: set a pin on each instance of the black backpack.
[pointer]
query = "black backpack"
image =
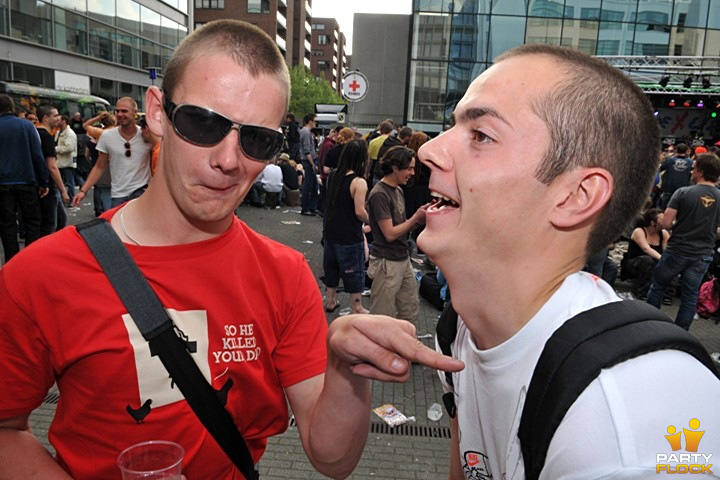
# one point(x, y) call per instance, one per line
point(573, 357)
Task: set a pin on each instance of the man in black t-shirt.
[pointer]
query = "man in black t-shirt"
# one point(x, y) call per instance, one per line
point(290, 176)
point(394, 289)
point(696, 213)
point(52, 213)
point(293, 136)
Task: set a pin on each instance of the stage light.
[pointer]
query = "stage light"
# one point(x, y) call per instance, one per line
point(686, 103)
point(706, 83)
point(713, 114)
point(700, 104)
point(672, 103)
point(688, 81)
point(664, 81)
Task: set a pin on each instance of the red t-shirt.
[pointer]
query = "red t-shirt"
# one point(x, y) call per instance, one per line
point(251, 305)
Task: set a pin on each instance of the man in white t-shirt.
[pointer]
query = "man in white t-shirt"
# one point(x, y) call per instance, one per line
point(551, 155)
point(127, 154)
point(269, 181)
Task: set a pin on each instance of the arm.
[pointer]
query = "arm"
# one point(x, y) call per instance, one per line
point(358, 190)
point(456, 472)
point(90, 122)
point(665, 238)
point(93, 177)
point(38, 159)
point(22, 456)
point(666, 219)
point(56, 178)
point(332, 411)
point(638, 236)
point(393, 232)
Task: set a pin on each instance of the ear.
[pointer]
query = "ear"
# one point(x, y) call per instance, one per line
point(582, 194)
point(154, 113)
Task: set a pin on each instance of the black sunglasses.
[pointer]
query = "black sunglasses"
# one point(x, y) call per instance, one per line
point(201, 126)
point(127, 149)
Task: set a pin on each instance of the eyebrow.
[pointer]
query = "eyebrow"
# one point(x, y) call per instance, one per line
point(479, 112)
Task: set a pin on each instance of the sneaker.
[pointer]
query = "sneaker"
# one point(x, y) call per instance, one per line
point(366, 292)
point(309, 214)
point(667, 301)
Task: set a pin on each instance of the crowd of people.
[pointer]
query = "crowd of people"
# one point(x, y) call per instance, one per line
point(509, 222)
point(40, 166)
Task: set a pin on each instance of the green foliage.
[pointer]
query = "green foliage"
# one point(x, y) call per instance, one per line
point(307, 90)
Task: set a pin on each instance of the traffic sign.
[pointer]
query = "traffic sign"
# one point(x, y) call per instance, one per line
point(355, 86)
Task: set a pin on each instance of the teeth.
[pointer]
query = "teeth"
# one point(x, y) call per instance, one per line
point(440, 196)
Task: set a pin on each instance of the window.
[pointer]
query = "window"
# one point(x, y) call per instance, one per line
point(318, 26)
point(323, 39)
point(70, 32)
point(217, 4)
point(323, 65)
point(258, 6)
point(102, 41)
point(31, 22)
point(318, 53)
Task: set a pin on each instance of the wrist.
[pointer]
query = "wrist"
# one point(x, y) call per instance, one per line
point(80, 190)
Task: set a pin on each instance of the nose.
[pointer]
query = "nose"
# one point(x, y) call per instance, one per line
point(227, 155)
point(434, 153)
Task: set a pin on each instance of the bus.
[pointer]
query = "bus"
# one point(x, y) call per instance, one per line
point(28, 97)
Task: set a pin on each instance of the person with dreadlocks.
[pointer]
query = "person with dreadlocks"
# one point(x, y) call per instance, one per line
point(344, 241)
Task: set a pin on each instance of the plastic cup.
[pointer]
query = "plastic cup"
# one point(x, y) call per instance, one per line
point(152, 460)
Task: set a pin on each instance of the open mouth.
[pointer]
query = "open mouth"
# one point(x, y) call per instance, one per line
point(440, 202)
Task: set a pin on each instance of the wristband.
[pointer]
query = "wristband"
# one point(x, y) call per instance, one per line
point(82, 191)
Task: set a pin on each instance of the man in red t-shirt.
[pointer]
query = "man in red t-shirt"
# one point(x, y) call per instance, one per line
point(250, 307)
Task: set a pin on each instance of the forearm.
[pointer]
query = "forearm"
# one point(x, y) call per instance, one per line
point(22, 457)
point(55, 176)
point(339, 427)
point(396, 231)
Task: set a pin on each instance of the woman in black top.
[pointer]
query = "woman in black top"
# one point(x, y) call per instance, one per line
point(647, 243)
point(344, 242)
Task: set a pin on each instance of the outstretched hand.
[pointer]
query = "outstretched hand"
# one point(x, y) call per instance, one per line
point(383, 348)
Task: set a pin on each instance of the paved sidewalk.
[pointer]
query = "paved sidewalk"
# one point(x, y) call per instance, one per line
point(417, 450)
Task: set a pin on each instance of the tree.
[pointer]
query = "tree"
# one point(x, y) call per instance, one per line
point(307, 90)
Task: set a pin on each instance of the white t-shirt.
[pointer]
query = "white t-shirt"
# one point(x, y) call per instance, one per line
point(616, 427)
point(271, 178)
point(128, 173)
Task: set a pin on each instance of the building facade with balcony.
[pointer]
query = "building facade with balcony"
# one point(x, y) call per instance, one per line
point(328, 52)
point(98, 47)
point(286, 21)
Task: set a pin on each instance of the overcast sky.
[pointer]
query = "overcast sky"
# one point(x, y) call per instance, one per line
point(343, 10)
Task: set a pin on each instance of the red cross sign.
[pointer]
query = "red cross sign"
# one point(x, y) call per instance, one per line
point(355, 86)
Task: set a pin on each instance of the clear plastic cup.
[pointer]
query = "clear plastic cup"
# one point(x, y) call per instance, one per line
point(151, 460)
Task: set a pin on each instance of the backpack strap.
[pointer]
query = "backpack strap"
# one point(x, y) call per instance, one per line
point(576, 353)
point(446, 331)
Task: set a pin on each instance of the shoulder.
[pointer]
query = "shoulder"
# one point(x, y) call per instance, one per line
point(267, 249)
point(628, 409)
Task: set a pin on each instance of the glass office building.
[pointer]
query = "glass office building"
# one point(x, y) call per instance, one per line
point(101, 47)
point(454, 41)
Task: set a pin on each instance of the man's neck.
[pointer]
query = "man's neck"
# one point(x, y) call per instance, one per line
point(390, 180)
point(44, 126)
point(128, 131)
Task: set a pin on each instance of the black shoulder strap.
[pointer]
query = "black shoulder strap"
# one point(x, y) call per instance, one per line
point(446, 331)
point(165, 340)
point(576, 353)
